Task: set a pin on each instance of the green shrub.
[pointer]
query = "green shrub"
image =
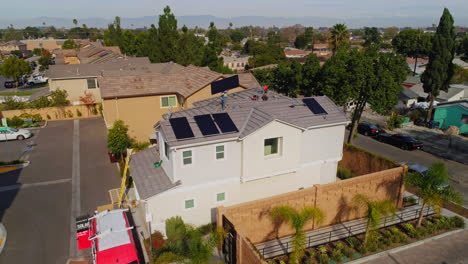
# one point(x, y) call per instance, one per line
point(362, 249)
point(25, 125)
point(398, 236)
point(15, 121)
point(206, 228)
point(336, 255)
point(324, 259)
point(421, 231)
point(78, 113)
point(344, 173)
point(410, 230)
point(442, 223)
point(418, 113)
point(395, 121)
point(94, 110)
point(48, 117)
point(348, 252)
point(138, 146)
point(457, 222)
point(100, 109)
point(69, 114)
point(322, 249)
point(430, 228)
point(352, 242)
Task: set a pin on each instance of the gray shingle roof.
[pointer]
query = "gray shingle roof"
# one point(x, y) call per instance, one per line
point(249, 115)
point(148, 179)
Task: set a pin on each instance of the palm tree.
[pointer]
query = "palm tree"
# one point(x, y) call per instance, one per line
point(432, 187)
point(75, 22)
point(339, 35)
point(297, 220)
point(374, 211)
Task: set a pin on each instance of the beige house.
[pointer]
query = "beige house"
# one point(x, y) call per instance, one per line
point(12, 46)
point(48, 44)
point(236, 63)
point(141, 100)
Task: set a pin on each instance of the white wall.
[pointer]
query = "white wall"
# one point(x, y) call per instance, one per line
point(322, 144)
point(256, 165)
point(167, 164)
point(205, 167)
point(172, 203)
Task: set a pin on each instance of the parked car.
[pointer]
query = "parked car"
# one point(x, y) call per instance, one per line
point(13, 84)
point(404, 142)
point(368, 129)
point(38, 80)
point(9, 133)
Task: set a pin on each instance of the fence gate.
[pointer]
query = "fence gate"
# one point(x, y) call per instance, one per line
point(229, 245)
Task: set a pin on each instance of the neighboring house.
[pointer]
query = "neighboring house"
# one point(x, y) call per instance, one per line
point(460, 63)
point(253, 149)
point(411, 81)
point(70, 56)
point(296, 53)
point(454, 93)
point(48, 44)
point(321, 49)
point(236, 63)
point(407, 98)
point(453, 114)
point(140, 99)
point(13, 45)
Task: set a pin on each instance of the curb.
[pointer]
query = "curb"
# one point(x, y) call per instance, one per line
point(32, 128)
point(400, 248)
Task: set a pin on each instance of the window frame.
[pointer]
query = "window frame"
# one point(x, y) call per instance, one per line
point(216, 197)
point(224, 152)
point(194, 204)
point(87, 84)
point(168, 101)
point(464, 118)
point(279, 151)
point(191, 158)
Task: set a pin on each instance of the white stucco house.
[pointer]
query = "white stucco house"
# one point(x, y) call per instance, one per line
point(255, 148)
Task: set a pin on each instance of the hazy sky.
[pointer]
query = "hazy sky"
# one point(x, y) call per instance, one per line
point(230, 8)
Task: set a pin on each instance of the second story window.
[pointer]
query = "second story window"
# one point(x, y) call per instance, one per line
point(187, 157)
point(91, 83)
point(220, 152)
point(272, 146)
point(167, 101)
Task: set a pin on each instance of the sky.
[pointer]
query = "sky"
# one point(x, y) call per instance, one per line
point(229, 8)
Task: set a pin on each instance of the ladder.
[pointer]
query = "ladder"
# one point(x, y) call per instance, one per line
point(124, 179)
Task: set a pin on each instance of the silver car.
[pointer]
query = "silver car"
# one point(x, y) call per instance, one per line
point(9, 133)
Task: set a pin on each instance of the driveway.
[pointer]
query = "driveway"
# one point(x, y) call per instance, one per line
point(458, 172)
point(69, 175)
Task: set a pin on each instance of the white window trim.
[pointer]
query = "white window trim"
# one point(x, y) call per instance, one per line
point(280, 153)
point(182, 156)
point(224, 158)
point(225, 197)
point(160, 101)
point(194, 204)
point(95, 84)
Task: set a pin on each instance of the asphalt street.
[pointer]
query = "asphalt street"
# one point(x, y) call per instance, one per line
point(36, 203)
point(457, 171)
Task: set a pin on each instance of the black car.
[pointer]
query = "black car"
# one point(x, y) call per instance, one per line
point(368, 129)
point(9, 84)
point(404, 142)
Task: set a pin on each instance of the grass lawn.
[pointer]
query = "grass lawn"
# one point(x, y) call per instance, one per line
point(22, 93)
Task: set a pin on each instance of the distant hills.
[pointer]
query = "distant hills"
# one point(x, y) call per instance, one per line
point(204, 21)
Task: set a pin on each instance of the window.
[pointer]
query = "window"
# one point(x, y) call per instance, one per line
point(271, 146)
point(91, 83)
point(167, 101)
point(187, 157)
point(189, 204)
point(220, 197)
point(166, 150)
point(464, 119)
point(220, 152)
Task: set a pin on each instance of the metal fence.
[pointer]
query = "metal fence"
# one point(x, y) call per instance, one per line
point(341, 231)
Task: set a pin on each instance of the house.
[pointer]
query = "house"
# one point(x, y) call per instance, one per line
point(454, 93)
point(48, 44)
point(407, 98)
point(452, 114)
point(260, 145)
point(296, 53)
point(321, 49)
point(460, 63)
point(236, 63)
point(13, 45)
point(89, 53)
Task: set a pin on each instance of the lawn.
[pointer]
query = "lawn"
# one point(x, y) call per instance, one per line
point(21, 93)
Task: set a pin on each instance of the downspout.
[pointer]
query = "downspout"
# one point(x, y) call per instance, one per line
point(117, 109)
point(242, 162)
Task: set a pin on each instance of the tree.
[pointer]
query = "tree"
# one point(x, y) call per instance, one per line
point(390, 33)
point(59, 98)
point(189, 48)
point(237, 35)
point(464, 48)
point(167, 36)
point(363, 77)
point(339, 36)
point(310, 71)
point(70, 44)
point(412, 43)
point(264, 76)
point(432, 187)
point(113, 34)
point(127, 45)
point(287, 79)
point(372, 37)
point(14, 68)
point(303, 40)
point(11, 34)
point(44, 60)
point(374, 210)
point(439, 70)
point(32, 32)
point(297, 220)
point(75, 22)
point(117, 138)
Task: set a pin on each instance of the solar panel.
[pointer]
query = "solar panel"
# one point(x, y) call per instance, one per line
point(225, 123)
point(181, 128)
point(314, 106)
point(206, 125)
point(225, 84)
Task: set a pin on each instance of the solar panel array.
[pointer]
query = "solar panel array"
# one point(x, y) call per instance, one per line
point(225, 84)
point(314, 106)
point(208, 125)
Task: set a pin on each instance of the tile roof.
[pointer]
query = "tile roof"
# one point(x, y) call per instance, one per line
point(148, 179)
point(296, 52)
point(410, 60)
point(249, 115)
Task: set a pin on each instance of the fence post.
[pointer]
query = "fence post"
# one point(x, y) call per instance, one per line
point(329, 237)
point(308, 244)
point(385, 222)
